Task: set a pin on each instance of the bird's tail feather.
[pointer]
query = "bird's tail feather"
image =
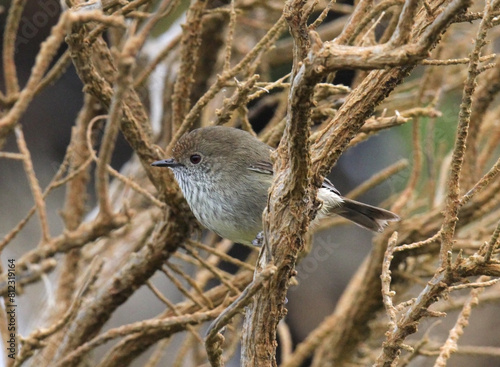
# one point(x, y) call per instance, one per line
point(364, 215)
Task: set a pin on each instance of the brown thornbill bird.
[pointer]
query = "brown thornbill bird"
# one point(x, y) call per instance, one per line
point(225, 174)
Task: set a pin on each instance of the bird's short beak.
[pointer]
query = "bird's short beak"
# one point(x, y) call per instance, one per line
point(166, 163)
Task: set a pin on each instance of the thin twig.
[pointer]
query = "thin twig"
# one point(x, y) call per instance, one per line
point(34, 185)
point(214, 339)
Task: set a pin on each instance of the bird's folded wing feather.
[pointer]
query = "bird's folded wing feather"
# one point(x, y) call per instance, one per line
point(266, 168)
point(262, 167)
point(327, 184)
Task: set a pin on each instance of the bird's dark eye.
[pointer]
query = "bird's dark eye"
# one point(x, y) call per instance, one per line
point(195, 158)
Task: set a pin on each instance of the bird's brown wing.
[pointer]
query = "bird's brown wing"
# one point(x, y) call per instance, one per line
point(267, 168)
point(262, 167)
point(327, 184)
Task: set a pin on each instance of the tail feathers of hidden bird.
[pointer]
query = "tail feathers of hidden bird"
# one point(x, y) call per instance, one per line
point(364, 215)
